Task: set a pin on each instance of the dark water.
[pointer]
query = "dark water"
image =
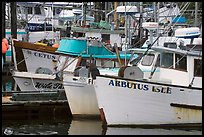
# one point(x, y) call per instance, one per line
point(83, 127)
point(69, 126)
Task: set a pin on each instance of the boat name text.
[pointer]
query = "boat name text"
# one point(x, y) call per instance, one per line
point(49, 85)
point(43, 55)
point(139, 86)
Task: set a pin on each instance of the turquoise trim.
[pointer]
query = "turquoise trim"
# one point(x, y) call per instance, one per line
point(8, 53)
point(72, 46)
point(17, 33)
point(79, 47)
point(114, 56)
point(95, 50)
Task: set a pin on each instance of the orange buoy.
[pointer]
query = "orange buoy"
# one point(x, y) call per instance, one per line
point(6, 42)
point(4, 48)
point(56, 45)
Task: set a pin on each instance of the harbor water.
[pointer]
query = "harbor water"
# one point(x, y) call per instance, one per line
point(81, 126)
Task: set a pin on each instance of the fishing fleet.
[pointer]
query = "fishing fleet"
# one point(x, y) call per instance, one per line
point(109, 71)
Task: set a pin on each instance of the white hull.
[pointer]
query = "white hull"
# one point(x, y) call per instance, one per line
point(82, 97)
point(143, 103)
point(36, 59)
point(37, 82)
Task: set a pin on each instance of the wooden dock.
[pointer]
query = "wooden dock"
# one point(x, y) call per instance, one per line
point(25, 110)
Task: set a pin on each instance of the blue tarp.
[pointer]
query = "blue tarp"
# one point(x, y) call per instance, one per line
point(179, 20)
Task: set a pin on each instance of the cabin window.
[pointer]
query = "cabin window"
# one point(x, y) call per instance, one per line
point(147, 60)
point(78, 34)
point(180, 62)
point(28, 10)
point(134, 61)
point(106, 38)
point(37, 10)
point(83, 62)
point(198, 67)
point(158, 61)
point(56, 11)
point(18, 9)
point(106, 63)
point(166, 60)
point(170, 45)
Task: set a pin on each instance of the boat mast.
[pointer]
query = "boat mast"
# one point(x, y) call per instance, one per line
point(13, 31)
point(115, 14)
point(26, 26)
point(84, 13)
point(52, 23)
point(3, 34)
point(125, 32)
point(106, 9)
point(196, 14)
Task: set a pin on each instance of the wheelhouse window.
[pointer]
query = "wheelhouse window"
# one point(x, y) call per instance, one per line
point(106, 63)
point(18, 9)
point(180, 62)
point(170, 45)
point(134, 61)
point(198, 67)
point(166, 60)
point(37, 10)
point(56, 11)
point(147, 60)
point(28, 10)
point(105, 38)
point(158, 61)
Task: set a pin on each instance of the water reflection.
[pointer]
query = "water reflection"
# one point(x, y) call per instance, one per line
point(8, 83)
point(36, 127)
point(154, 131)
point(85, 127)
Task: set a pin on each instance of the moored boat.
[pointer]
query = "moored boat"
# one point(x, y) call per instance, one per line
point(95, 59)
point(174, 97)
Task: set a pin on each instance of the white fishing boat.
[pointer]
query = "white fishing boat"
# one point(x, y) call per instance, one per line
point(41, 80)
point(28, 81)
point(174, 97)
point(36, 58)
point(95, 59)
point(41, 68)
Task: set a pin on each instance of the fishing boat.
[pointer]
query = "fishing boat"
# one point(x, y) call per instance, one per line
point(44, 64)
point(35, 57)
point(37, 66)
point(94, 58)
point(172, 98)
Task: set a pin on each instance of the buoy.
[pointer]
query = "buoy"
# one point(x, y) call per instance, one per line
point(4, 48)
point(6, 42)
point(56, 45)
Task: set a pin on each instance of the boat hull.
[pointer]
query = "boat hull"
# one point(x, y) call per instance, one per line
point(132, 102)
point(45, 60)
point(81, 96)
point(27, 81)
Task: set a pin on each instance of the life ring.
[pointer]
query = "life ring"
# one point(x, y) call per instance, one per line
point(56, 45)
